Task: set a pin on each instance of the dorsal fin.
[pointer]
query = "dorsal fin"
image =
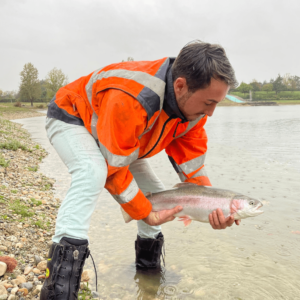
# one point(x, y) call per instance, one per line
point(182, 184)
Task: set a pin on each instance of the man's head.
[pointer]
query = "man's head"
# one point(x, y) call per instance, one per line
point(202, 76)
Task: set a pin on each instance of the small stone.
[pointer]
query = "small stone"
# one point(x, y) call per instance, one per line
point(35, 292)
point(7, 285)
point(15, 282)
point(85, 275)
point(28, 269)
point(19, 245)
point(3, 268)
point(39, 287)
point(36, 271)
point(41, 277)
point(3, 297)
point(14, 290)
point(24, 291)
point(11, 297)
point(3, 248)
point(95, 294)
point(37, 259)
point(27, 285)
point(21, 279)
point(3, 291)
point(42, 265)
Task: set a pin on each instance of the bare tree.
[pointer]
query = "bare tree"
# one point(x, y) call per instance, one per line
point(29, 87)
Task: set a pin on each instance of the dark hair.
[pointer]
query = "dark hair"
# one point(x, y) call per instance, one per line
point(198, 62)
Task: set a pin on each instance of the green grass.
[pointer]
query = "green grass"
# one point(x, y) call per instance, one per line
point(271, 96)
point(37, 146)
point(3, 162)
point(13, 145)
point(2, 199)
point(20, 209)
point(9, 107)
point(33, 169)
point(46, 187)
point(14, 191)
point(35, 202)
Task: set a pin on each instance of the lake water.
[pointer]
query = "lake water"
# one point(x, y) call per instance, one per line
point(252, 150)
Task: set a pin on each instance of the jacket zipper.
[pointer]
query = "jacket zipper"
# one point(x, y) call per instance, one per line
point(162, 131)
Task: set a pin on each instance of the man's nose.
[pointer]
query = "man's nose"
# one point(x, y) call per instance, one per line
point(210, 111)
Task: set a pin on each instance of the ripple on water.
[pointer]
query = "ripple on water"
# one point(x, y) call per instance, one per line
point(283, 251)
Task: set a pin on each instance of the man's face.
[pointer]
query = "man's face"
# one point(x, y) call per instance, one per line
point(203, 101)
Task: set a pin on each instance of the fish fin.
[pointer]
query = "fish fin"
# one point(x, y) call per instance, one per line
point(148, 194)
point(181, 184)
point(186, 220)
point(125, 215)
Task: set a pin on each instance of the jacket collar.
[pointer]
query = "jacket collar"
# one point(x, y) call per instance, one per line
point(170, 105)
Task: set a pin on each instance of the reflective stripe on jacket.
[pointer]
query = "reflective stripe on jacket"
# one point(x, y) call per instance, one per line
point(122, 106)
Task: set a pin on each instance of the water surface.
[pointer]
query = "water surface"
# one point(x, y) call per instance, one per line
point(252, 150)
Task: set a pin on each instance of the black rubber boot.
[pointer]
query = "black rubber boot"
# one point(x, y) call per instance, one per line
point(148, 252)
point(64, 269)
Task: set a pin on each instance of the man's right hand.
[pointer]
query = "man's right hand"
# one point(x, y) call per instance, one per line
point(163, 216)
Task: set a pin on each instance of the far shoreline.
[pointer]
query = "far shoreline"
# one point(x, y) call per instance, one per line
point(227, 102)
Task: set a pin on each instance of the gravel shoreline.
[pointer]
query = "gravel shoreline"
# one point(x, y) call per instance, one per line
point(28, 211)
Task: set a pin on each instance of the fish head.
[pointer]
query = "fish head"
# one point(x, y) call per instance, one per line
point(244, 207)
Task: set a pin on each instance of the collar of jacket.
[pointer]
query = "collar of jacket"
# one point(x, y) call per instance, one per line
point(170, 105)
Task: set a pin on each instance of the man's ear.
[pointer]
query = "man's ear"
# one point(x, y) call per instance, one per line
point(180, 86)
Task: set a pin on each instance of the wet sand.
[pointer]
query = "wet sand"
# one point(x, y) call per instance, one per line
point(260, 259)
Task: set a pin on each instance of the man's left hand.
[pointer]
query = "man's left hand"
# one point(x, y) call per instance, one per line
point(218, 221)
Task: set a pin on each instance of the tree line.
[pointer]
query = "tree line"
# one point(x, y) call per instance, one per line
point(279, 84)
point(32, 88)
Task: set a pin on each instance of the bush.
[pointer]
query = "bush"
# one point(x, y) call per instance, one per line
point(40, 106)
point(18, 104)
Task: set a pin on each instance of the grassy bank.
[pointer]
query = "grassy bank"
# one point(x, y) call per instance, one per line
point(270, 96)
point(28, 210)
point(10, 112)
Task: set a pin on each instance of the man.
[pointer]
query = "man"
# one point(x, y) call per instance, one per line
point(104, 124)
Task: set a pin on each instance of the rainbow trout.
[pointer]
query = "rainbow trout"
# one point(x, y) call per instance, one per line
point(199, 201)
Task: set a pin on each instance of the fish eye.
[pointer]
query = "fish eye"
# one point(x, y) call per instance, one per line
point(251, 202)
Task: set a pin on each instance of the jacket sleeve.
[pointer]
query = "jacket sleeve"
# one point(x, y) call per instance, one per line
point(121, 120)
point(187, 155)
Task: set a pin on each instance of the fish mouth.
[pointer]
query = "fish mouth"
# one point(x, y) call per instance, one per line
point(257, 209)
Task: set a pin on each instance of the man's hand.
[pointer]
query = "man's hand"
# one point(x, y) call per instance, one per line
point(218, 221)
point(163, 216)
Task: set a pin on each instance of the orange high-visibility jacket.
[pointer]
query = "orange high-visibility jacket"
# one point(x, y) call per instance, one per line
point(131, 110)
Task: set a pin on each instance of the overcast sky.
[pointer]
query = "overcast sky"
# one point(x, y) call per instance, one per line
point(261, 37)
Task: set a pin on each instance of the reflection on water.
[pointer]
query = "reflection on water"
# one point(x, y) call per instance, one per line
point(252, 150)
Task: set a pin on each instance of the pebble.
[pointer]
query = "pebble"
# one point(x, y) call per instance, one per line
point(28, 269)
point(95, 294)
point(23, 291)
point(27, 285)
point(37, 259)
point(42, 265)
point(14, 290)
point(3, 268)
point(3, 290)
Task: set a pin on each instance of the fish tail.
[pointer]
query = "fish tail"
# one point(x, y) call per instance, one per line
point(125, 215)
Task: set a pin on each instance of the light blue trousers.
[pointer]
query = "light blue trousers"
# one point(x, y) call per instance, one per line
point(86, 164)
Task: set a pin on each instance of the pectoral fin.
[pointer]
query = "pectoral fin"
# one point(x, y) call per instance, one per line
point(186, 220)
